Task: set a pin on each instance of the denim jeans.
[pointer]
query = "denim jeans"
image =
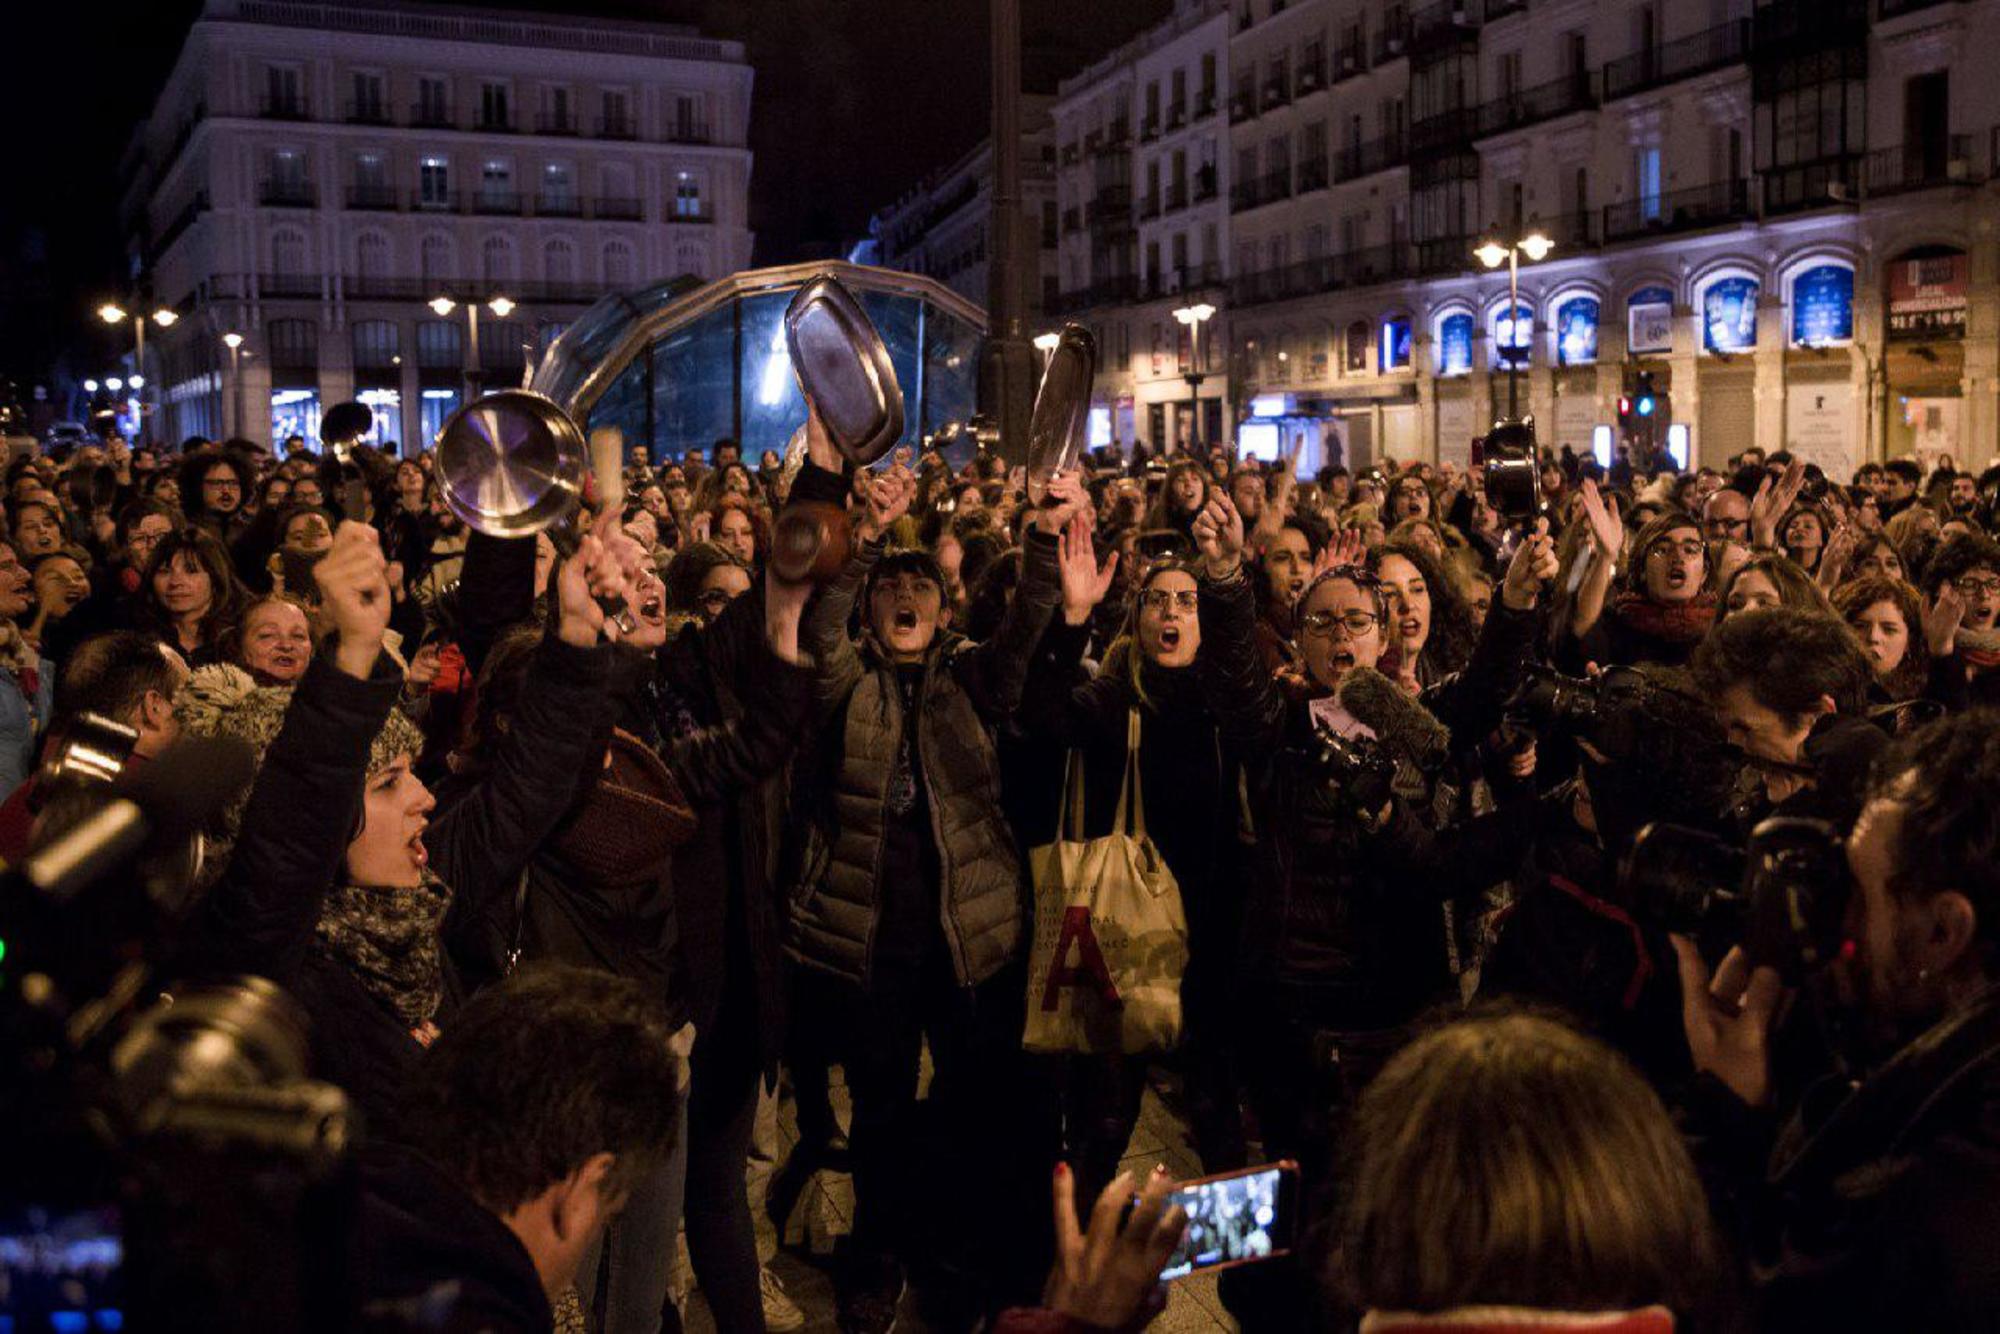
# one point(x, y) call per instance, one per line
point(637, 1250)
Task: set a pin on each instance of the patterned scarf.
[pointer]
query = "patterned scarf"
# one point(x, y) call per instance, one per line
point(388, 939)
point(1668, 622)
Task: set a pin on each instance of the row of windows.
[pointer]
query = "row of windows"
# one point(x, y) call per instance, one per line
point(289, 171)
point(558, 105)
point(437, 259)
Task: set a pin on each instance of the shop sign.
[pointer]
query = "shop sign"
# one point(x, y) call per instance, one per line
point(1729, 315)
point(1650, 321)
point(1823, 306)
point(1820, 425)
point(1927, 297)
point(1576, 331)
point(1455, 344)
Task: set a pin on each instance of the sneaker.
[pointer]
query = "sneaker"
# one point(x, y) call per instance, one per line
point(781, 1314)
point(868, 1306)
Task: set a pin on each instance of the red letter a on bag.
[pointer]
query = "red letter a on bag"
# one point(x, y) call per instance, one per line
point(1089, 970)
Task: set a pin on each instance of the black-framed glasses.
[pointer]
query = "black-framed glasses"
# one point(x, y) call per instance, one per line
point(1320, 624)
point(715, 599)
point(1971, 585)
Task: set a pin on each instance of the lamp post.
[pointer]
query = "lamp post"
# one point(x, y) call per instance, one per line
point(501, 307)
point(234, 342)
point(1194, 317)
point(1492, 254)
point(114, 314)
point(1045, 343)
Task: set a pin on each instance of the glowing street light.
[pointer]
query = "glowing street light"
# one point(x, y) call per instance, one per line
point(1194, 317)
point(114, 384)
point(111, 313)
point(234, 342)
point(501, 307)
point(90, 386)
point(135, 382)
point(1046, 343)
point(443, 305)
point(1493, 254)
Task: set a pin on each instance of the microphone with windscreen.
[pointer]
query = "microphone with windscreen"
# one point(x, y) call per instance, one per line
point(1405, 728)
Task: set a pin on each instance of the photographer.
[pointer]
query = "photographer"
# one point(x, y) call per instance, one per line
point(1791, 687)
point(1880, 1207)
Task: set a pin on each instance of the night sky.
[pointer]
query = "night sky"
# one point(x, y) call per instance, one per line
point(855, 101)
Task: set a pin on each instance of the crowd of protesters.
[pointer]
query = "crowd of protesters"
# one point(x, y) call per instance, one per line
point(572, 895)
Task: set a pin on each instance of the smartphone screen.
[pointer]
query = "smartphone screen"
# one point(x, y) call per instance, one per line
point(1236, 1218)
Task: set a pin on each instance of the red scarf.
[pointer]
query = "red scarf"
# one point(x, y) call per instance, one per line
point(1519, 1320)
point(1668, 622)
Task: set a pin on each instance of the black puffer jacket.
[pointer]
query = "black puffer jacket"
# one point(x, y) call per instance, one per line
point(841, 789)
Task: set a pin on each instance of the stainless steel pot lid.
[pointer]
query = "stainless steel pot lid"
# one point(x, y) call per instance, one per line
point(511, 463)
point(1059, 427)
point(843, 367)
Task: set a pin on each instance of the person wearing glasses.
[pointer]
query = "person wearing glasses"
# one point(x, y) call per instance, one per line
point(1343, 942)
point(1188, 778)
point(1665, 600)
point(1962, 585)
point(703, 578)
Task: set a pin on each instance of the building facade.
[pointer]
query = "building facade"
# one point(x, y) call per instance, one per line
point(939, 228)
point(1143, 188)
point(315, 174)
point(1784, 214)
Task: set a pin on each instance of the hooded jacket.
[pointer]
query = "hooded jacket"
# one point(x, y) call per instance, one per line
point(841, 790)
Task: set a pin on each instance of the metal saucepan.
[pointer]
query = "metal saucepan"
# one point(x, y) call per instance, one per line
point(1059, 427)
point(511, 464)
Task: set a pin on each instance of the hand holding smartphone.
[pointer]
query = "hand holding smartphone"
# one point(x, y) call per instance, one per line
point(1235, 1218)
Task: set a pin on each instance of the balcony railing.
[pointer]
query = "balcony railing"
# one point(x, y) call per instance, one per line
point(1499, 9)
point(1445, 131)
point(1355, 268)
point(381, 198)
point(1242, 195)
point(1118, 136)
point(1804, 185)
point(435, 201)
point(1897, 8)
point(182, 221)
point(1392, 38)
point(617, 127)
point(1106, 292)
point(1149, 206)
point(1349, 60)
point(617, 209)
point(1367, 159)
point(283, 108)
point(1891, 171)
point(287, 194)
point(290, 285)
point(496, 203)
point(1242, 107)
point(1444, 254)
point(1149, 129)
point(1204, 104)
point(549, 122)
point(1678, 211)
point(689, 132)
point(493, 123)
point(1312, 175)
point(1277, 91)
point(1442, 24)
point(1204, 184)
point(1311, 76)
point(432, 116)
point(1177, 115)
point(1558, 97)
point(372, 111)
point(689, 212)
point(1182, 278)
point(1713, 48)
point(376, 287)
point(1177, 195)
point(558, 206)
point(1275, 185)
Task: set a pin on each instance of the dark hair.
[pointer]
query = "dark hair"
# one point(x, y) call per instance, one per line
point(16, 507)
point(539, 1074)
point(110, 674)
point(1449, 644)
point(196, 466)
point(129, 517)
point(1858, 595)
point(1944, 775)
point(1967, 551)
point(908, 560)
point(689, 570)
point(1789, 657)
point(1907, 469)
point(1638, 544)
point(226, 594)
point(760, 531)
point(1795, 587)
point(1508, 1160)
point(291, 512)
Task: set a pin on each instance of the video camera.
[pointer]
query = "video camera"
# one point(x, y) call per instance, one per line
point(1619, 712)
point(1355, 767)
point(1782, 897)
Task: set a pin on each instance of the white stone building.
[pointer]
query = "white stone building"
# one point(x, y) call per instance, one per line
point(316, 171)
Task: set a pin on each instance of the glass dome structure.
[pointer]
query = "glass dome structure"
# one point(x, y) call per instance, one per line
point(680, 365)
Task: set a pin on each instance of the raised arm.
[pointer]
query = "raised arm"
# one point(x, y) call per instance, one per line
point(994, 672)
point(1607, 539)
point(259, 916)
point(1242, 694)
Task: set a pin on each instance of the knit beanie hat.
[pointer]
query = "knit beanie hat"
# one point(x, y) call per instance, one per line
point(224, 700)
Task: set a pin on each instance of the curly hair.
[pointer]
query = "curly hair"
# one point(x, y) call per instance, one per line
point(1944, 775)
point(1967, 551)
point(1790, 657)
point(1453, 631)
point(1856, 596)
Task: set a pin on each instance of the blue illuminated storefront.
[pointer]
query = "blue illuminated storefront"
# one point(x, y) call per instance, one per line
point(1823, 306)
point(1576, 331)
point(1455, 344)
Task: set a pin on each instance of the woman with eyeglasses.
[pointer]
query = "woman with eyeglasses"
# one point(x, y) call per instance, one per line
point(1962, 584)
point(1665, 599)
point(1343, 939)
point(1187, 781)
point(703, 579)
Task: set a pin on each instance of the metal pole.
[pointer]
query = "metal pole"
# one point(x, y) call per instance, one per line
point(139, 369)
point(1005, 386)
point(1194, 386)
point(472, 345)
point(1513, 330)
point(236, 386)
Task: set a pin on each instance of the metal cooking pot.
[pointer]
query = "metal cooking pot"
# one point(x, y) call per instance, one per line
point(1059, 427)
point(511, 464)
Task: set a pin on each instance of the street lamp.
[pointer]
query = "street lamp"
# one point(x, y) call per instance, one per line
point(113, 313)
point(234, 342)
point(1493, 254)
point(1194, 317)
point(501, 307)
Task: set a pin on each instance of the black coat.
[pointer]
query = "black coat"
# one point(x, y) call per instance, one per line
point(1881, 1210)
point(430, 1257)
point(259, 917)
